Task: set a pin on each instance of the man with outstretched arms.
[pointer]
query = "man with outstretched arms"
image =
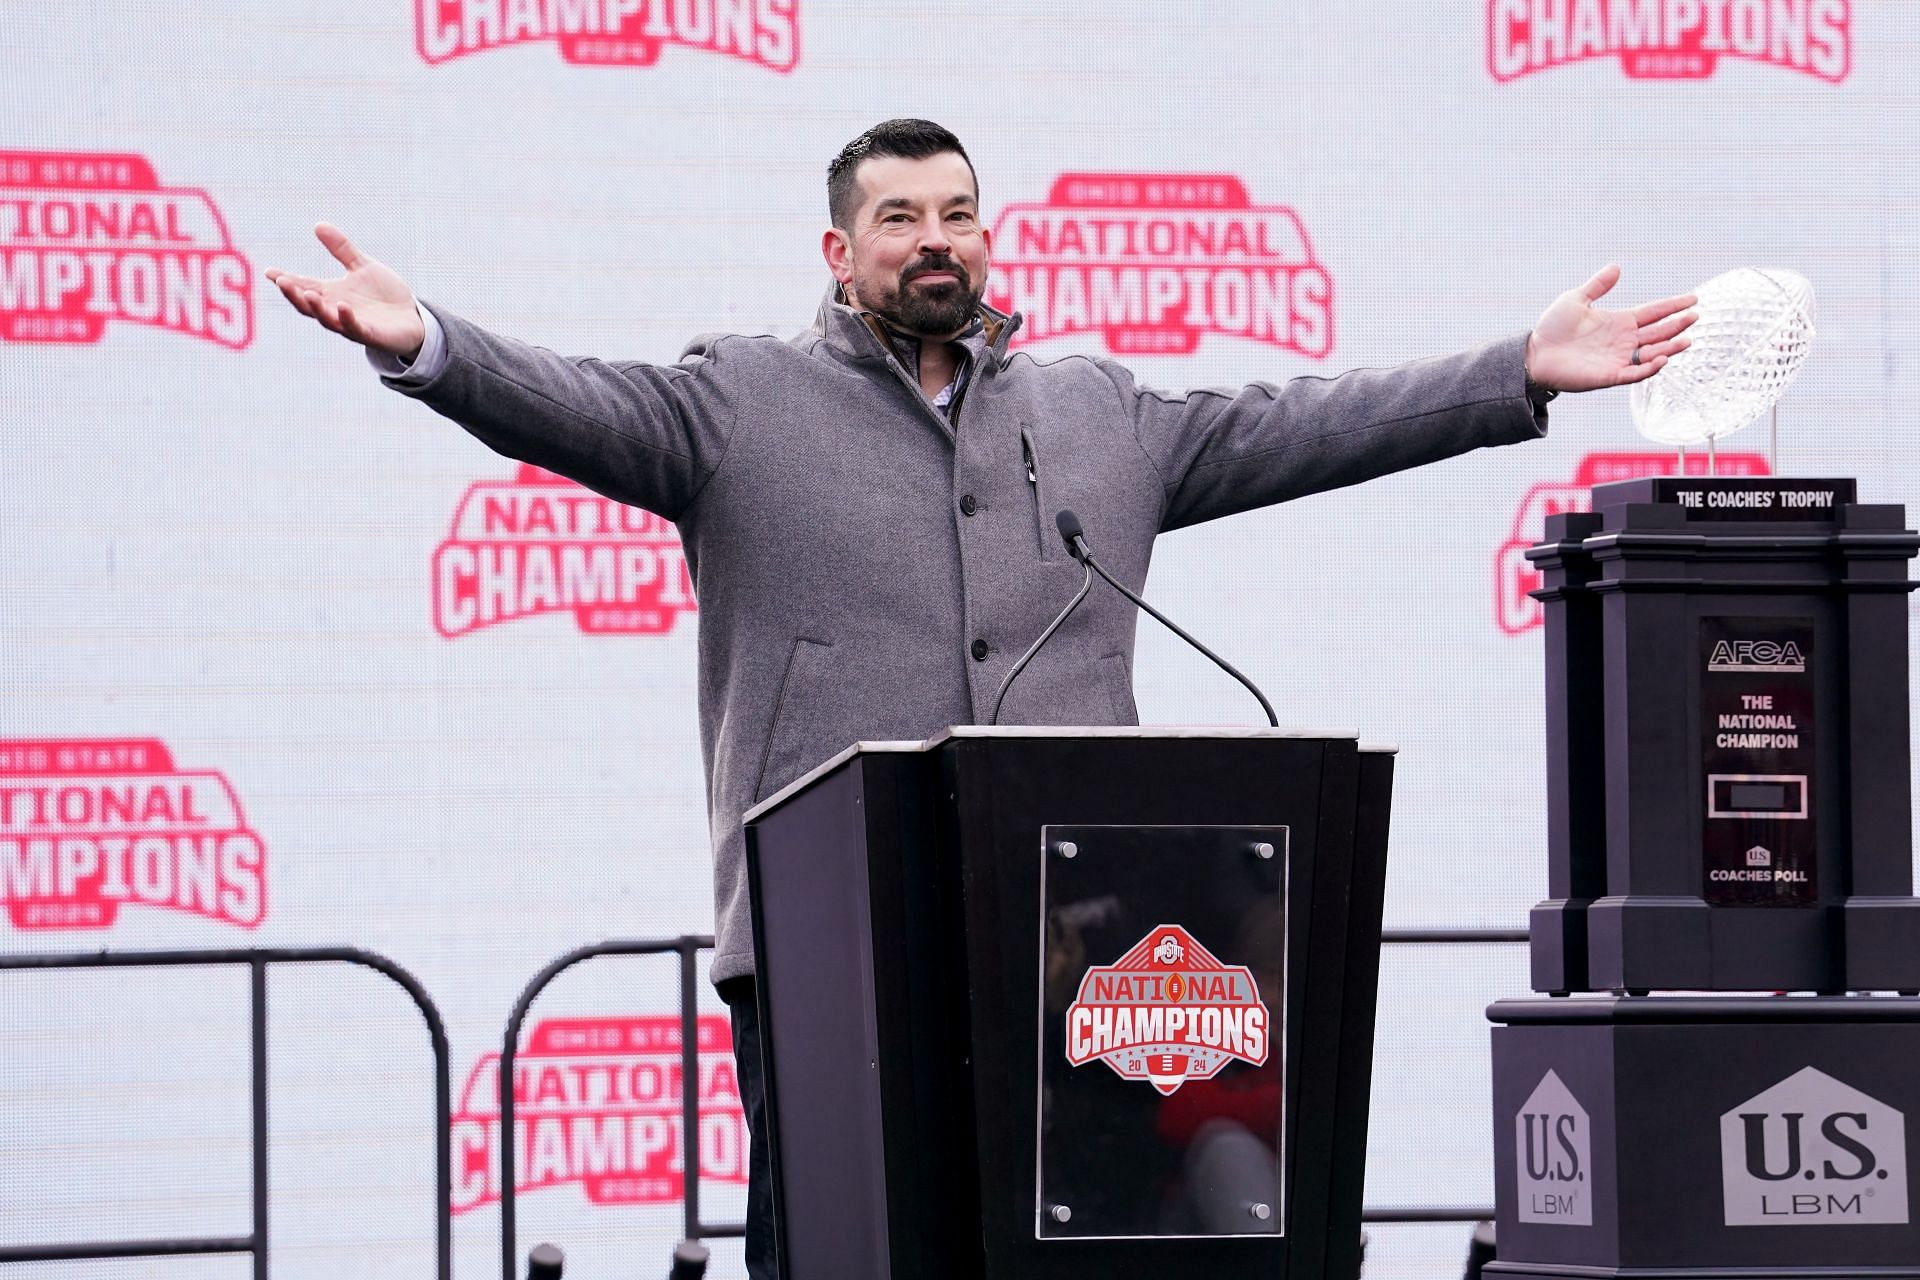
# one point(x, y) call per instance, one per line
point(868, 509)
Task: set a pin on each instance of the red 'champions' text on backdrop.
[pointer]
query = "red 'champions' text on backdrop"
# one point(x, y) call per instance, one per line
point(86, 238)
point(1514, 611)
point(90, 825)
point(613, 32)
point(540, 543)
point(598, 1101)
point(1669, 39)
point(1152, 261)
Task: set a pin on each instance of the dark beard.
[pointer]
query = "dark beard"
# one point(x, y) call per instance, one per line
point(932, 311)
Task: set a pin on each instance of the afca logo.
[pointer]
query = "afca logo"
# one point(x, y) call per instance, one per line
point(1756, 655)
point(1812, 1151)
point(1553, 1156)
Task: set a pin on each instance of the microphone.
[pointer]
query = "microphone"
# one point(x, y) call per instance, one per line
point(1076, 540)
point(1086, 585)
point(1071, 533)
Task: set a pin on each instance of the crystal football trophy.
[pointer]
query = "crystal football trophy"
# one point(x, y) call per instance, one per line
point(1753, 334)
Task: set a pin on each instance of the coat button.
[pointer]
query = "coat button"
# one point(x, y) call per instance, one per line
point(980, 651)
point(967, 505)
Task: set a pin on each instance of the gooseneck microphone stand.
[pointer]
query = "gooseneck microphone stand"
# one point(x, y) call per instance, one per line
point(1076, 539)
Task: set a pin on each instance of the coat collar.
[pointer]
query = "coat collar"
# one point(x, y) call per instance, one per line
point(860, 334)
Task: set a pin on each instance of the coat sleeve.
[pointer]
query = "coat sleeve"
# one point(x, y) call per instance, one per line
point(647, 435)
point(1220, 452)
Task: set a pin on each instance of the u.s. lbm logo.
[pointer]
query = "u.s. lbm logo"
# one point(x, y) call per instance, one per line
point(1553, 1156)
point(1813, 1151)
point(1167, 1012)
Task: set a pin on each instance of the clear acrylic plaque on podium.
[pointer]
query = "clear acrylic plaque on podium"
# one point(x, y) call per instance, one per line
point(1162, 1030)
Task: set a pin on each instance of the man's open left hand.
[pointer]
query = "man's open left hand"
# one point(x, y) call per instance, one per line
point(370, 304)
point(1576, 346)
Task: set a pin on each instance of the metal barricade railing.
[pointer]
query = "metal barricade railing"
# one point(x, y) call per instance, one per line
point(1439, 937)
point(1454, 937)
point(257, 960)
point(687, 946)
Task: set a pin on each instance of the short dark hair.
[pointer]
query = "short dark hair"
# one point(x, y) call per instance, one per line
point(907, 139)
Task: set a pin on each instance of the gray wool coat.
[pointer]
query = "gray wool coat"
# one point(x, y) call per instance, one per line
point(868, 567)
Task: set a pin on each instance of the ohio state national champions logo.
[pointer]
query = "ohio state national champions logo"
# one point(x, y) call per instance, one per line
point(1167, 1012)
point(598, 1101)
point(613, 32)
point(1153, 260)
point(1669, 39)
point(540, 543)
point(88, 825)
point(86, 238)
point(1514, 611)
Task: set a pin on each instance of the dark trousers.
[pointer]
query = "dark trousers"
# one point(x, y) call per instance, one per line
point(739, 995)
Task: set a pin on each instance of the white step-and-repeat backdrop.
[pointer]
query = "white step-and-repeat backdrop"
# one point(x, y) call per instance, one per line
point(283, 660)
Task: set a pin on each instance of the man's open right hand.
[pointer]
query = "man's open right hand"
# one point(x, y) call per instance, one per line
point(370, 304)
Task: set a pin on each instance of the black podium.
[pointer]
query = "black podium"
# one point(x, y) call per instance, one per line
point(1071, 1002)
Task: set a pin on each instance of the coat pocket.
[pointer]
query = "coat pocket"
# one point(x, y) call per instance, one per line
point(1039, 489)
point(796, 714)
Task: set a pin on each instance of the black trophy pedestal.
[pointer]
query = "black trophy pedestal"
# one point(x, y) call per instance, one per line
point(1728, 810)
point(1727, 695)
point(1710, 1137)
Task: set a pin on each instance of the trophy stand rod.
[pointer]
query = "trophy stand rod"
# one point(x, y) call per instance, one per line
point(1683, 459)
point(1773, 442)
point(1713, 456)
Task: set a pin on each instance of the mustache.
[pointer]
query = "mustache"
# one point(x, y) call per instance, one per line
point(927, 266)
